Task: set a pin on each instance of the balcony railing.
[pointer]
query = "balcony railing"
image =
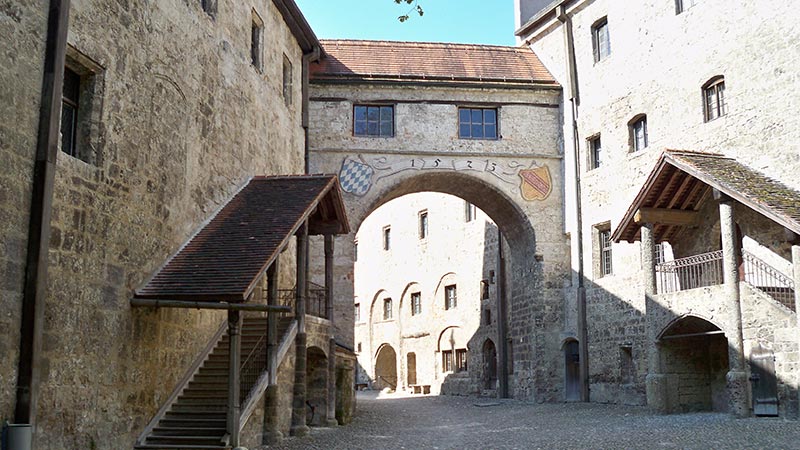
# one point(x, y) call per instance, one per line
point(769, 280)
point(690, 272)
point(316, 303)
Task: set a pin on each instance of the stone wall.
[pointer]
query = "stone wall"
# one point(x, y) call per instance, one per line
point(184, 119)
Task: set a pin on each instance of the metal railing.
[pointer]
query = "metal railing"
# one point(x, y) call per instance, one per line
point(768, 279)
point(252, 367)
point(689, 273)
point(316, 302)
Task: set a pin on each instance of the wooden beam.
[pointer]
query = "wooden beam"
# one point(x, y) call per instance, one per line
point(328, 227)
point(665, 216)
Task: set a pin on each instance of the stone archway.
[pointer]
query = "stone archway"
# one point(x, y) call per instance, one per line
point(532, 230)
point(693, 355)
point(386, 368)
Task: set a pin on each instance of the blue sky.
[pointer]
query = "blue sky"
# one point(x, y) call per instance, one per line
point(466, 21)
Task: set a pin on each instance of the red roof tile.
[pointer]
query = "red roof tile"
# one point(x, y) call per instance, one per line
point(225, 259)
point(429, 62)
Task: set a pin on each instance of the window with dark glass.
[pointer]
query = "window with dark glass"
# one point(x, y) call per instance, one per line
point(69, 112)
point(387, 238)
point(450, 297)
point(638, 129)
point(604, 237)
point(469, 212)
point(601, 39)
point(477, 123)
point(423, 224)
point(595, 152)
point(387, 308)
point(373, 120)
point(416, 303)
point(256, 38)
point(714, 98)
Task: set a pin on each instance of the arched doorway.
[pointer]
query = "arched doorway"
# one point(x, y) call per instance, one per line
point(411, 367)
point(489, 377)
point(694, 354)
point(386, 368)
point(317, 386)
point(572, 376)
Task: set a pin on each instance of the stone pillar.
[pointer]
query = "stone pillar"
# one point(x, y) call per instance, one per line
point(796, 276)
point(656, 382)
point(234, 357)
point(331, 413)
point(738, 384)
point(299, 427)
point(271, 432)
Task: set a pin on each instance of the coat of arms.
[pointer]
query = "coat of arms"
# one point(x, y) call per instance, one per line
point(536, 183)
point(355, 177)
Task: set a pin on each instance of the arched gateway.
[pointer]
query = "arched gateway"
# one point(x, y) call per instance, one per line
point(488, 138)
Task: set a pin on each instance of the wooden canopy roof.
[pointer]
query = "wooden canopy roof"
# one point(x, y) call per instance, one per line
point(225, 259)
point(682, 180)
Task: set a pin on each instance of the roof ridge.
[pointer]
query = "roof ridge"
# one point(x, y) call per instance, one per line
point(425, 43)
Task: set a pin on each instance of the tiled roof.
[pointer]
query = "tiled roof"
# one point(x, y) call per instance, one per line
point(226, 258)
point(681, 180)
point(425, 61)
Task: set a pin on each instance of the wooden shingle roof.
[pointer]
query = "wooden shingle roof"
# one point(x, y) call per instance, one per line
point(225, 259)
point(426, 61)
point(682, 180)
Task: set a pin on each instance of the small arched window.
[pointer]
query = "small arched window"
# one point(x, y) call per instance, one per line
point(714, 98)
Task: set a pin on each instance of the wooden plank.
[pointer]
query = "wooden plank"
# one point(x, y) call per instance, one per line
point(663, 216)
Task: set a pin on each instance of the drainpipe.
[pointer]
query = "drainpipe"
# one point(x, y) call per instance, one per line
point(574, 98)
point(35, 288)
point(308, 57)
point(502, 342)
point(796, 277)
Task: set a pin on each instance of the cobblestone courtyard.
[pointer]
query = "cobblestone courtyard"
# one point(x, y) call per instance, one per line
point(391, 422)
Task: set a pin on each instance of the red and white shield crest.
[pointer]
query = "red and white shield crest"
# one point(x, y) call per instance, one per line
point(536, 183)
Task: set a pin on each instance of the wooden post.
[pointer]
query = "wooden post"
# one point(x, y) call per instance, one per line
point(331, 401)
point(234, 348)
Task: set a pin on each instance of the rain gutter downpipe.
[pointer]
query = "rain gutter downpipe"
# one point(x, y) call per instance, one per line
point(574, 99)
point(35, 287)
point(308, 58)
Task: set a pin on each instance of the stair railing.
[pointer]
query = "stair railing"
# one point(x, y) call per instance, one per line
point(768, 279)
point(690, 272)
point(181, 385)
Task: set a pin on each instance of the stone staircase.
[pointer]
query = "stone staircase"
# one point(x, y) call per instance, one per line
point(196, 419)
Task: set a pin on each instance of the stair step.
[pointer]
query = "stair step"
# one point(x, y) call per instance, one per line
point(180, 447)
point(192, 408)
point(216, 432)
point(195, 415)
point(212, 401)
point(207, 385)
point(181, 440)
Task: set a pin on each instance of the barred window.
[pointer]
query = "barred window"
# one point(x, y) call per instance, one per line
point(714, 98)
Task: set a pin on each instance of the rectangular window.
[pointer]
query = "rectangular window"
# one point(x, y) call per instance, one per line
point(447, 361)
point(387, 308)
point(355, 251)
point(69, 112)
point(461, 359)
point(359, 347)
point(660, 256)
point(714, 99)
point(639, 140)
point(604, 239)
point(373, 120)
point(287, 81)
point(387, 238)
point(484, 289)
point(627, 368)
point(357, 312)
point(477, 123)
point(450, 297)
point(601, 39)
point(470, 212)
point(683, 5)
point(423, 224)
point(416, 303)
point(595, 152)
point(256, 37)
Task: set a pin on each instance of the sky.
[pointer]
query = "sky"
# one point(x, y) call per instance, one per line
point(465, 21)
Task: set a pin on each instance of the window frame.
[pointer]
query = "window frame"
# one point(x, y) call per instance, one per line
point(595, 148)
point(681, 7)
point(386, 237)
point(73, 106)
point(470, 211)
point(633, 125)
point(381, 107)
point(715, 86)
point(288, 81)
point(357, 312)
point(416, 303)
point(460, 360)
point(422, 228)
point(450, 301)
point(387, 308)
point(447, 361)
point(605, 253)
point(257, 41)
point(483, 122)
point(601, 30)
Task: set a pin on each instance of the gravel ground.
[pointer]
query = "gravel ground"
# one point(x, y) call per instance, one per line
point(433, 422)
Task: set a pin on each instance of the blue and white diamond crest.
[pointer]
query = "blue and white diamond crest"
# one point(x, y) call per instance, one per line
point(355, 177)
